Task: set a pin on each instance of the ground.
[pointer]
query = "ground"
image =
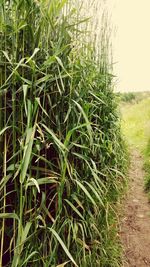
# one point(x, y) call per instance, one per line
point(135, 224)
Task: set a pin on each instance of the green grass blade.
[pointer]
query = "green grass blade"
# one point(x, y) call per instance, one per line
point(63, 246)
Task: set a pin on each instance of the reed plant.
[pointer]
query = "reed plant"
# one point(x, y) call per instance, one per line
point(62, 156)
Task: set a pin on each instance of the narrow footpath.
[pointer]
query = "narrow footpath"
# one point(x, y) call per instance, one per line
point(135, 225)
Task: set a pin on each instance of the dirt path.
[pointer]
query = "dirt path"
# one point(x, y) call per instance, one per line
point(135, 227)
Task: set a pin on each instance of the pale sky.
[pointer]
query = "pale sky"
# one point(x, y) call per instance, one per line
point(132, 44)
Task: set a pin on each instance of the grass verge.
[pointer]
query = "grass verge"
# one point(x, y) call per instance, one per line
point(136, 128)
point(147, 168)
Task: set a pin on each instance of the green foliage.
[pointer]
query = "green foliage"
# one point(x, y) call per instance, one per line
point(127, 97)
point(133, 97)
point(62, 153)
point(135, 123)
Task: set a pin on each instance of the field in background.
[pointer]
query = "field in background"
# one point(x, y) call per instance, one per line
point(136, 126)
point(136, 121)
point(133, 97)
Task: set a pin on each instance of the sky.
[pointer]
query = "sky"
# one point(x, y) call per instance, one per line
point(131, 43)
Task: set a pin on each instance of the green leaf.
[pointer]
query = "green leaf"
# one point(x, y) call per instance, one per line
point(27, 153)
point(39, 103)
point(9, 216)
point(61, 64)
point(97, 98)
point(4, 129)
point(62, 264)
point(43, 79)
point(29, 257)
point(75, 209)
point(34, 182)
point(97, 195)
point(40, 181)
point(25, 90)
point(6, 55)
point(34, 53)
point(89, 128)
point(68, 136)
point(25, 232)
point(55, 138)
point(63, 246)
point(14, 70)
point(4, 181)
point(86, 192)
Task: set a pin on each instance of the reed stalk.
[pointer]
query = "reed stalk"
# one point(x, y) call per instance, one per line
point(63, 154)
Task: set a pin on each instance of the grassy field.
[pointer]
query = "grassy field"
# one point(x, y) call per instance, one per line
point(136, 129)
point(136, 123)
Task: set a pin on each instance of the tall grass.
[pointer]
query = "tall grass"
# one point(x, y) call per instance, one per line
point(62, 152)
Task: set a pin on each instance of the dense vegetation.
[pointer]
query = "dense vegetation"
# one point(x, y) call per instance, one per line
point(62, 155)
point(127, 97)
point(132, 97)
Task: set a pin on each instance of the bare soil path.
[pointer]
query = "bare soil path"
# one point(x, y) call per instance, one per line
point(135, 225)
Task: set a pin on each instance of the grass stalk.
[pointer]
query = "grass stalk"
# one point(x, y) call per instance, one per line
point(66, 155)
